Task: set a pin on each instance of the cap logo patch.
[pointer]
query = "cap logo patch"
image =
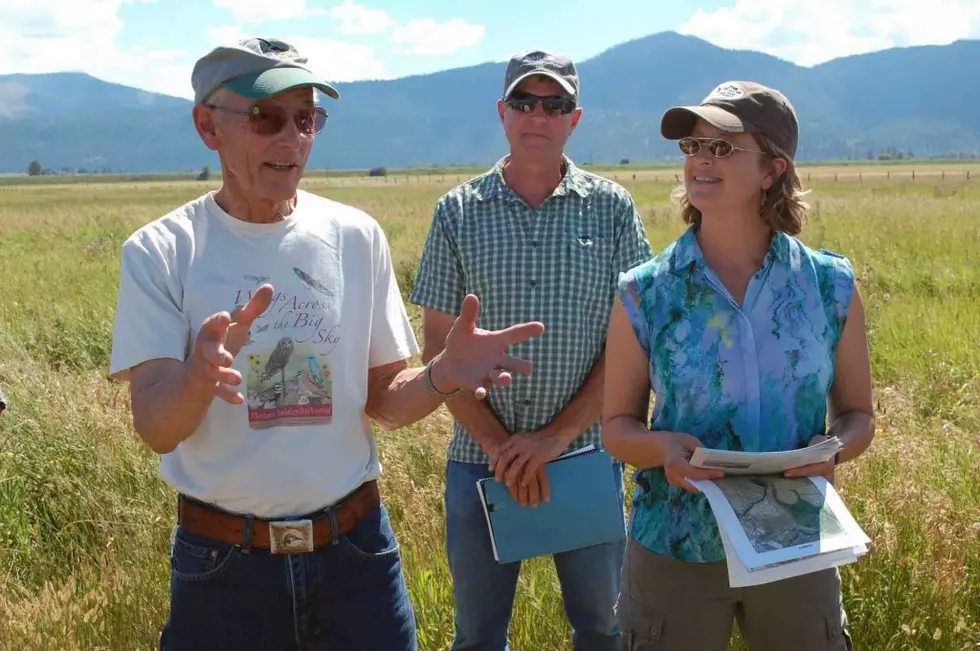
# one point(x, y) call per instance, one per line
point(726, 91)
point(272, 48)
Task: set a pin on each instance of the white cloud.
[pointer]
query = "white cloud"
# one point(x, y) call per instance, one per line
point(58, 19)
point(335, 60)
point(422, 36)
point(259, 11)
point(162, 55)
point(80, 36)
point(340, 60)
point(355, 19)
point(426, 36)
point(224, 35)
point(808, 32)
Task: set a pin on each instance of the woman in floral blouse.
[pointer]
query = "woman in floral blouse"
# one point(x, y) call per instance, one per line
point(748, 340)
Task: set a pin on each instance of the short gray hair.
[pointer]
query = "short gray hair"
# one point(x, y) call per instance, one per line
point(217, 96)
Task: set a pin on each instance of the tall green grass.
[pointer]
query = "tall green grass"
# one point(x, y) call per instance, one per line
point(85, 520)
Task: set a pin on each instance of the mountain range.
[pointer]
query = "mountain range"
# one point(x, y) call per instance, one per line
point(919, 101)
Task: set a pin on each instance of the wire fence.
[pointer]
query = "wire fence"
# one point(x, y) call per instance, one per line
point(670, 176)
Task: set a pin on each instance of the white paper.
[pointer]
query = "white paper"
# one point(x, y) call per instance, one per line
point(764, 463)
point(739, 576)
point(574, 453)
point(486, 514)
point(770, 520)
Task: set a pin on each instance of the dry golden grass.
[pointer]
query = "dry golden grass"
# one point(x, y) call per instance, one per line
point(85, 520)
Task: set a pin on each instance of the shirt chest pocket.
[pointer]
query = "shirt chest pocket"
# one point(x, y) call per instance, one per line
point(584, 272)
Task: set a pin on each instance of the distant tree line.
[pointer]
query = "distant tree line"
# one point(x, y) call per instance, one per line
point(35, 168)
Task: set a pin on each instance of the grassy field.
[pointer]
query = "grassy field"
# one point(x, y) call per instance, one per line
point(85, 521)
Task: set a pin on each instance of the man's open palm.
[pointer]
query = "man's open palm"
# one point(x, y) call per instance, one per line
point(477, 359)
point(221, 337)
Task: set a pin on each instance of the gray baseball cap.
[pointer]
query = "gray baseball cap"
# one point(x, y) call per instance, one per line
point(735, 106)
point(540, 62)
point(255, 68)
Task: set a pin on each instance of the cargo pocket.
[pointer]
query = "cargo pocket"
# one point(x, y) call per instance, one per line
point(643, 628)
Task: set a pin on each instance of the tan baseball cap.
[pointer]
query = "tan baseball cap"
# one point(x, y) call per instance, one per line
point(255, 68)
point(736, 106)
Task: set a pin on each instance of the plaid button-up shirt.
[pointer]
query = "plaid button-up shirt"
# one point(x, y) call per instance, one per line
point(557, 264)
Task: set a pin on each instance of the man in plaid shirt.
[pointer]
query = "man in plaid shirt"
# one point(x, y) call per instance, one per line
point(535, 237)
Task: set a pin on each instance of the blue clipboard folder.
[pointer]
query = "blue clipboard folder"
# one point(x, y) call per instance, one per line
point(584, 510)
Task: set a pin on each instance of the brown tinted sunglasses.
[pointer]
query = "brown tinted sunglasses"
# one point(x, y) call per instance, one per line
point(268, 120)
point(717, 147)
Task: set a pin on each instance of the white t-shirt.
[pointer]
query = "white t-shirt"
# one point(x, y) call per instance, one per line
point(302, 440)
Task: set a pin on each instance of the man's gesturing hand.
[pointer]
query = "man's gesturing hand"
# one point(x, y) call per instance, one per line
point(476, 359)
point(221, 338)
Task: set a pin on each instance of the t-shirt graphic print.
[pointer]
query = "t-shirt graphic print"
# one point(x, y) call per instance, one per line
point(288, 384)
point(288, 377)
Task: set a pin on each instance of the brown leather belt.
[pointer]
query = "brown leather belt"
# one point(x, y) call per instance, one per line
point(280, 536)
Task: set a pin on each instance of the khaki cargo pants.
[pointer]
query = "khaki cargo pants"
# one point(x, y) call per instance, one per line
point(670, 605)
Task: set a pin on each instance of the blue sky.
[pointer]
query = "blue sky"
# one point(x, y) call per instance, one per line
point(152, 44)
point(473, 32)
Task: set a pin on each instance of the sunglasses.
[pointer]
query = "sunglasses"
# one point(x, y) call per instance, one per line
point(524, 103)
point(270, 119)
point(717, 147)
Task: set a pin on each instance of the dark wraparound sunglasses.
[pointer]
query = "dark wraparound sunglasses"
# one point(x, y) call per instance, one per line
point(717, 147)
point(270, 120)
point(553, 105)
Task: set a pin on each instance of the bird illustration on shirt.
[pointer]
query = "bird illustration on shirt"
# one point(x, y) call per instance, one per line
point(278, 360)
point(258, 280)
point(312, 282)
point(315, 371)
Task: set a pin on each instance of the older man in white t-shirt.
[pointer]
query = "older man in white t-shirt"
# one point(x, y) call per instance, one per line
point(261, 330)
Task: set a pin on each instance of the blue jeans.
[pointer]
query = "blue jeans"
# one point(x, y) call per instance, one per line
point(484, 589)
point(350, 595)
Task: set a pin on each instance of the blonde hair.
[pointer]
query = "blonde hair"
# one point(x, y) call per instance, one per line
point(784, 208)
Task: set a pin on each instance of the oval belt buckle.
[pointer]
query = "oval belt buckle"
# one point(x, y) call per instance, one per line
point(291, 536)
